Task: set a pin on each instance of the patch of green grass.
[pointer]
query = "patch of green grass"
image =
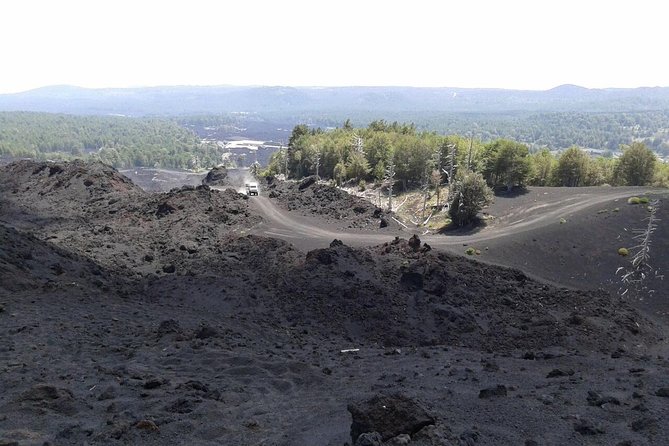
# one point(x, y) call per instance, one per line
point(633, 200)
point(470, 251)
point(644, 200)
point(623, 252)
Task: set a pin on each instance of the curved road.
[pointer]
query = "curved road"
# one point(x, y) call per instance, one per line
point(309, 232)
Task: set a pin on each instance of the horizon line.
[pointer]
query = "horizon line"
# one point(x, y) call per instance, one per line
point(139, 87)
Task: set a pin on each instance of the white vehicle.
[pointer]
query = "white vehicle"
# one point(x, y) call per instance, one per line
point(251, 189)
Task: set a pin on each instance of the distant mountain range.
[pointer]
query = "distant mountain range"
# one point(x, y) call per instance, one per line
point(186, 100)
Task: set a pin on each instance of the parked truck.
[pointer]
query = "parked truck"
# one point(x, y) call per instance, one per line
point(251, 189)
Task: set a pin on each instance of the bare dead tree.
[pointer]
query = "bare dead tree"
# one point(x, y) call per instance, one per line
point(435, 180)
point(389, 178)
point(425, 189)
point(317, 161)
point(358, 144)
point(451, 164)
point(635, 277)
point(255, 169)
point(469, 155)
point(284, 155)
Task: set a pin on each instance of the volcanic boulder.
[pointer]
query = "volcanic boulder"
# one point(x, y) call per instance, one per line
point(308, 181)
point(218, 176)
point(389, 415)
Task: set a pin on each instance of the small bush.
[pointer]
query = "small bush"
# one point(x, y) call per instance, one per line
point(470, 195)
point(633, 200)
point(470, 251)
point(563, 221)
point(623, 252)
point(362, 185)
point(644, 200)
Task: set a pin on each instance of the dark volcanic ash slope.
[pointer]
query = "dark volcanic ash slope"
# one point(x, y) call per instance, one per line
point(309, 197)
point(400, 294)
point(92, 209)
point(30, 264)
point(154, 319)
point(56, 189)
point(429, 297)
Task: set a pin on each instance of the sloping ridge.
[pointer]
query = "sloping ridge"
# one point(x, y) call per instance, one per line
point(400, 293)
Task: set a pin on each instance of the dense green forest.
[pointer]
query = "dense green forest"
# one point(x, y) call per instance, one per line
point(414, 149)
point(554, 130)
point(418, 159)
point(116, 140)
point(599, 131)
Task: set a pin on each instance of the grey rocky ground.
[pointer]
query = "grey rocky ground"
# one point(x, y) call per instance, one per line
point(136, 318)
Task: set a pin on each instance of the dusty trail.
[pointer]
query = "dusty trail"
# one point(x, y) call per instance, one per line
point(309, 233)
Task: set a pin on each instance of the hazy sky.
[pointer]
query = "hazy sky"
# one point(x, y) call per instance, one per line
point(471, 43)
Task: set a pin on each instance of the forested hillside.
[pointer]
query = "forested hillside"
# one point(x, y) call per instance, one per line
point(556, 130)
point(595, 119)
point(176, 142)
point(385, 152)
point(119, 141)
point(598, 131)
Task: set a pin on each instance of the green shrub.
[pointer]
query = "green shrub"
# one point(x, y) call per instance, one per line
point(563, 221)
point(470, 251)
point(362, 185)
point(644, 200)
point(470, 195)
point(633, 200)
point(623, 252)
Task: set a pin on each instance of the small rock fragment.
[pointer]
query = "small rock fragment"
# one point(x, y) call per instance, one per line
point(205, 332)
point(587, 427)
point(663, 392)
point(595, 399)
point(400, 440)
point(556, 373)
point(369, 439)
point(414, 242)
point(153, 384)
point(642, 424)
point(146, 425)
point(493, 392)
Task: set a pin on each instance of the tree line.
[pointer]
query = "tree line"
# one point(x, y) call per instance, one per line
point(343, 154)
point(561, 130)
point(116, 140)
point(348, 154)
